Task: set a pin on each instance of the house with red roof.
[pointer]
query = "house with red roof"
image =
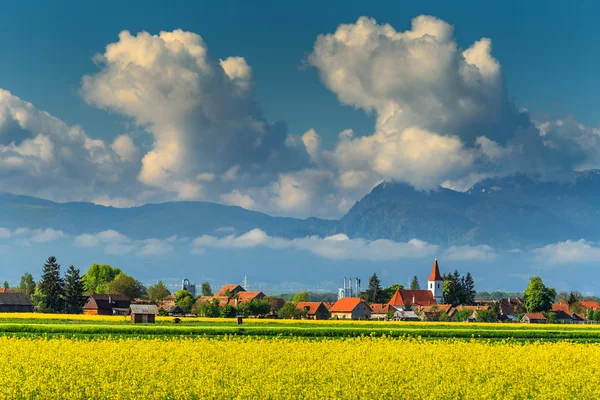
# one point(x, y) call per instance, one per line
point(380, 311)
point(534, 318)
point(230, 290)
point(314, 309)
point(350, 308)
point(587, 304)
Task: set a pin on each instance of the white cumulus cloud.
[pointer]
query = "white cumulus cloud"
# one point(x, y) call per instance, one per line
point(332, 247)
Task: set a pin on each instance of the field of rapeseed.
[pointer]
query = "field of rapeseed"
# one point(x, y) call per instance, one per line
point(251, 368)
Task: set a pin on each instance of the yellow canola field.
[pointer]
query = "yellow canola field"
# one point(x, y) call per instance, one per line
point(251, 368)
point(125, 318)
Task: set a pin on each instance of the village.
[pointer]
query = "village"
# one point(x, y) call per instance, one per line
point(415, 304)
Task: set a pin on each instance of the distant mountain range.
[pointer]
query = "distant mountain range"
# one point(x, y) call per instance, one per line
point(504, 212)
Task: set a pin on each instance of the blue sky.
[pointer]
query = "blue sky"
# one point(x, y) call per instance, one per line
point(446, 94)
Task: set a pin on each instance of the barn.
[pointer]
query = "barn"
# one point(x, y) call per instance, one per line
point(106, 304)
point(143, 313)
point(15, 302)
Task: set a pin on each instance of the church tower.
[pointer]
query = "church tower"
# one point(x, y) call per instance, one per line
point(435, 283)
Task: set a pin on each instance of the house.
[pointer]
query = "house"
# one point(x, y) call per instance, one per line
point(143, 313)
point(15, 302)
point(276, 303)
point(172, 310)
point(403, 315)
point(350, 308)
point(509, 308)
point(586, 305)
point(562, 317)
point(244, 297)
point(472, 309)
point(412, 298)
point(232, 295)
point(380, 311)
point(534, 318)
point(107, 304)
point(314, 309)
point(229, 290)
point(434, 312)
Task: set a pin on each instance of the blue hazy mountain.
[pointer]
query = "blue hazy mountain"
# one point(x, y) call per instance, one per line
point(504, 212)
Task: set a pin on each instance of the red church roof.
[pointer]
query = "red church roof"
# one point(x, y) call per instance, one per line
point(435, 272)
point(422, 298)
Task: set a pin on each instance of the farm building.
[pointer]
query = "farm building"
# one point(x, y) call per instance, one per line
point(350, 308)
point(107, 304)
point(229, 290)
point(232, 295)
point(15, 302)
point(402, 315)
point(314, 309)
point(534, 318)
point(380, 311)
point(143, 313)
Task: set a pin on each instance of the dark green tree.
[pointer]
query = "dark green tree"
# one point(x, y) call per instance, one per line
point(207, 308)
point(254, 307)
point(488, 315)
point(227, 311)
point(73, 291)
point(185, 300)
point(468, 290)
point(6, 285)
point(573, 300)
point(388, 292)
point(550, 317)
point(158, 292)
point(462, 315)
point(27, 284)
point(51, 285)
point(289, 311)
point(538, 297)
point(97, 277)
point(206, 289)
point(302, 296)
point(414, 284)
point(127, 286)
point(451, 290)
point(374, 292)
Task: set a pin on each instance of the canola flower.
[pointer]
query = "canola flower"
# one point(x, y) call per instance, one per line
point(294, 368)
point(125, 318)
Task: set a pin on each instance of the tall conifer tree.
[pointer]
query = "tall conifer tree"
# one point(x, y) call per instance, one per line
point(73, 291)
point(51, 285)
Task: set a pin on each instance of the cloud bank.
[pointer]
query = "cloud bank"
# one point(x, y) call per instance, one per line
point(443, 117)
point(337, 247)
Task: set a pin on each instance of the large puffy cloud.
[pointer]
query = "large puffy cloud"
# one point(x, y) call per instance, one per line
point(570, 251)
point(332, 247)
point(443, 113)
point(200, 112)
point(43, 156)
point(115, 243)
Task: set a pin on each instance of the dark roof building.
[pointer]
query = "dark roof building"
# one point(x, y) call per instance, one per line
point(107, 304)
point(314, 309)
point(534, 318)
point(143, 313)
point(15, 302)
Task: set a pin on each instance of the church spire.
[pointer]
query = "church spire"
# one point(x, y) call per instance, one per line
point(435, 272)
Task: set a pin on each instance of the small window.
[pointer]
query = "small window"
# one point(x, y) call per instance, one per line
point(431, 286)
point(438, 285)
